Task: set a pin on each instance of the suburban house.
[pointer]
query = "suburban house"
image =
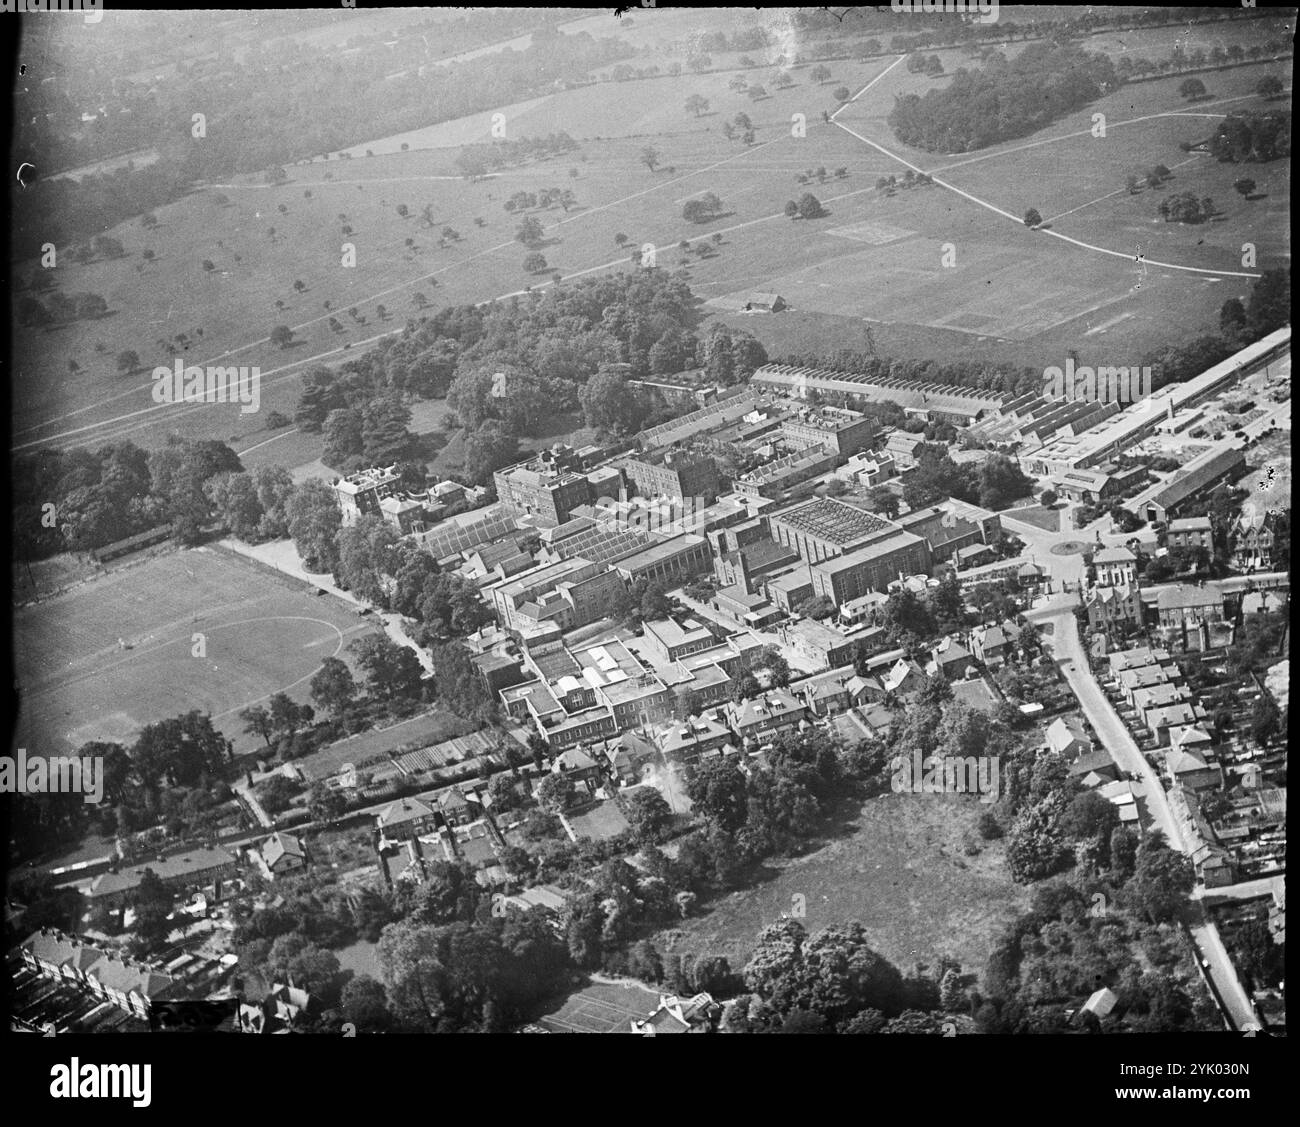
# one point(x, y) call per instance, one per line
point(695, 737)
point(282, 853)
point(628, 755)
point(455, 808)
point(406, 818)
point(1190, 532)
point(1253, 541)
point(991, 645)
point(770, 713)
point(1191, 768)
point(1160, 721)
point(1181, 603)
point(1094, 763)
point(1133, 681)
point(70, 961)
point(1115, 567)
point(1113, 608)
point(1138, 656)
point(1068, 739)
point(904, 679)
point(179, 871)
point(579, 767)
point(1159, 696)
point(950, 658)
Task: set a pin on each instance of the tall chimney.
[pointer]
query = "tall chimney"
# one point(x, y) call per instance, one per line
point(746, 583)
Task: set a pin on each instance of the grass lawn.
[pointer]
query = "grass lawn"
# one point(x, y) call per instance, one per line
point(1049, 519)
point(261, 634)
point(600, 821)
point(901, 872)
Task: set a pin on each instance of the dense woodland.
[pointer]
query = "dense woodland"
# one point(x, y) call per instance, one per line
point(1004, 100)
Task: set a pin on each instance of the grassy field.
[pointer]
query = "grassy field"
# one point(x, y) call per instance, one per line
point(1010, 293)
point(901, 873)
point(262, 634)
point(1049, 519)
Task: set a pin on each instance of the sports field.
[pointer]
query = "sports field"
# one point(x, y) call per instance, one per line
point(206, 630)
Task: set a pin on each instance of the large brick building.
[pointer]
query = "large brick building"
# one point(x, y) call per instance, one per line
point(872, 567)
point(674, 474)
point(545, 490)
point(825, 528)
point(835, 429)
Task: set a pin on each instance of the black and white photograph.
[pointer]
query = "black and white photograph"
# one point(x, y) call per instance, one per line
point(650, 520)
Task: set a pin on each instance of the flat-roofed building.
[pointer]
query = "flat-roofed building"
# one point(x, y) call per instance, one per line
point(674, 473)
point(554, 598)
point(667, 640)
point(835, 429)
point(668, 561)
point(870, 568)
point(543, 490)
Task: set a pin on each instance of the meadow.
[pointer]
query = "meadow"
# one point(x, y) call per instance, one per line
point(901, 872)
point(934, 272)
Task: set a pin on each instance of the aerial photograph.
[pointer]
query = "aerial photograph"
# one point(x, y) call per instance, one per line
point(650, 520)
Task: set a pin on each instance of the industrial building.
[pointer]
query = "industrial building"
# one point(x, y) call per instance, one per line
point(941, 402)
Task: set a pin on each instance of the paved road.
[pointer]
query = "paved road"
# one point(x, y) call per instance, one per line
point(1068, 648)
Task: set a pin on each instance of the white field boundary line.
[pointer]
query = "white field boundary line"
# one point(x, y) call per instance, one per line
point(382, 293)
point(1108, 195)
point(1088, 132)
point(1007, 214)
point(591, 270)
point(285, 372)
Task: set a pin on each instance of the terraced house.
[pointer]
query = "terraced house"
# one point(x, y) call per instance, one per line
point(131, 986)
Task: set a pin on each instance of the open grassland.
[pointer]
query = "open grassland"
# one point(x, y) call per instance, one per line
point(261, 634)
point(901, 872)
point(875, 261)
